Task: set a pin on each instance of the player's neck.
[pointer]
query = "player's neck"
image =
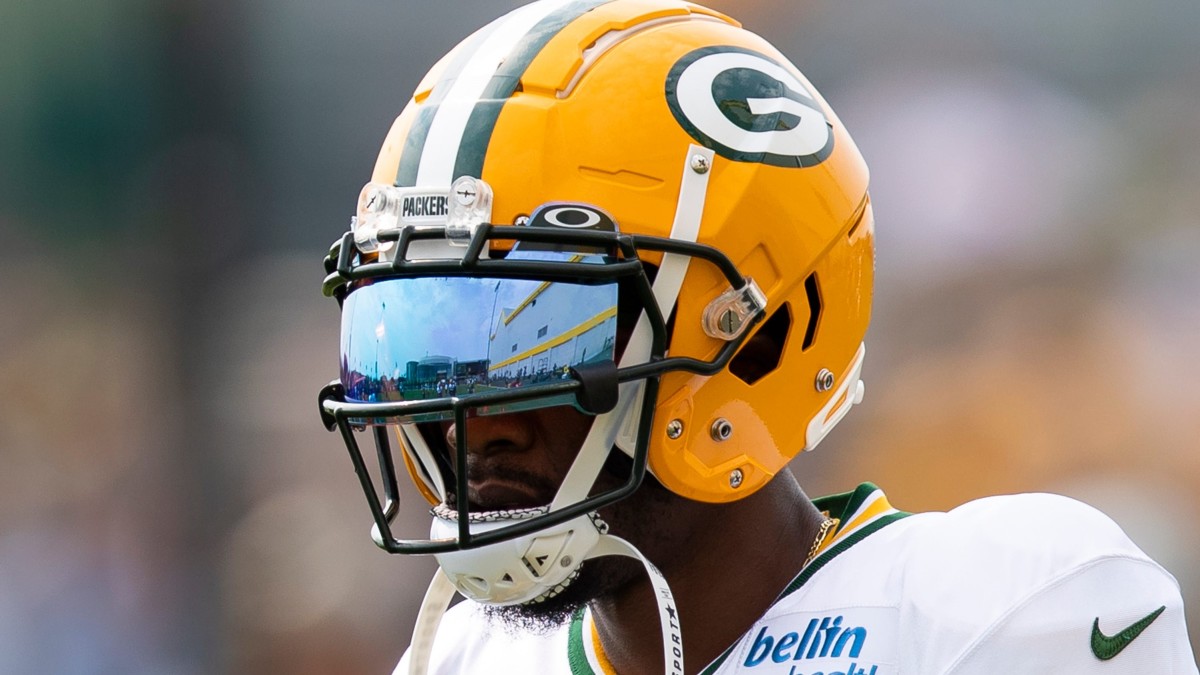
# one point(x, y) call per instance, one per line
point(733, 572)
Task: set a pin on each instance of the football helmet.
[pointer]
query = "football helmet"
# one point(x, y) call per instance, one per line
point(610, 204)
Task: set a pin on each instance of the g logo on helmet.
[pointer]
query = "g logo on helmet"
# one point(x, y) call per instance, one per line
point(748, 107)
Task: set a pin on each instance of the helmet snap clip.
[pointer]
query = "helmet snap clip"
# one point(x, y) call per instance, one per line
point(730, 314)
point(468, 207)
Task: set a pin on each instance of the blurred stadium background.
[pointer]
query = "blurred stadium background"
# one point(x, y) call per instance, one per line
point(172, 171)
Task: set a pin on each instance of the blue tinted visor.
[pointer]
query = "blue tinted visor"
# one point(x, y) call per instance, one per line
point(413, 339)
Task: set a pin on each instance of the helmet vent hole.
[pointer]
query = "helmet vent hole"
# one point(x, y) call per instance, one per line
point(476, 585)
point(814, 310)
point(762, 352)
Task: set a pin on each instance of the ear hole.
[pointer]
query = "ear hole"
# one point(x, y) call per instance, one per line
point(762, 352)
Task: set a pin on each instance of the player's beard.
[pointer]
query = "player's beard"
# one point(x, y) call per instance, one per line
point(640, 520)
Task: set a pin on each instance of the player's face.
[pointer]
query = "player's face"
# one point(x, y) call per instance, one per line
point(519, 460)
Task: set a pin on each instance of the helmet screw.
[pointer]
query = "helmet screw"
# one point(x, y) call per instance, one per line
point(465, 191)
point(521, 220)
point(565, 561)
point(674, 429)
point(721, 429)
point(700, 164)
point(735, 478)
point(730, 322)
point(824, 380)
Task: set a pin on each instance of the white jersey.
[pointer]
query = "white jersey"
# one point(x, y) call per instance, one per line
point(1030, 583)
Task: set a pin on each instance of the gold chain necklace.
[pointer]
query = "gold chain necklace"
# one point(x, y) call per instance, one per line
point(821, 534)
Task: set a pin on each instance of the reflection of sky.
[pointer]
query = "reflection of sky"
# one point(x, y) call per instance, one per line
point(394, 321)
point(400, 320)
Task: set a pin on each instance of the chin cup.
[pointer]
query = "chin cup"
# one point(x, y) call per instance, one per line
point(525, 569)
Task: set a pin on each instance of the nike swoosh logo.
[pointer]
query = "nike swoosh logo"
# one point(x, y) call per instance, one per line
point(1106, 647)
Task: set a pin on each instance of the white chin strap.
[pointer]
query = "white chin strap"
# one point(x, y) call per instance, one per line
point(441, 591)
point(668, 615)
point(437, 600)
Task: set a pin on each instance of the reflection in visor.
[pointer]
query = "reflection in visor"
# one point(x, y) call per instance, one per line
point(433, 337)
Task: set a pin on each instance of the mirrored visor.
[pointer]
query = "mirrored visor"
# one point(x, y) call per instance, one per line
point(436, 337)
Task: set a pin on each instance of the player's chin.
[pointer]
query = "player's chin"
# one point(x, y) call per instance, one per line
point(597, 578)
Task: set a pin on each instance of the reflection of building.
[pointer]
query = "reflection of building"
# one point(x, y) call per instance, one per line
point(430, 369)
point(551, 330)
point(433, 368)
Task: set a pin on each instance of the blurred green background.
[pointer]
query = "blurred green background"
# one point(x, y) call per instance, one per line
point(171, 173)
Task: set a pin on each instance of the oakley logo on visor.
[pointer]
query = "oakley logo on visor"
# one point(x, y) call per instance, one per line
point(570, 216)
point(573, 216)
point(748, 107)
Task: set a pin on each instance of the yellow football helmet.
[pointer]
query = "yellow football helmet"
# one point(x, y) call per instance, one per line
point(566, 163)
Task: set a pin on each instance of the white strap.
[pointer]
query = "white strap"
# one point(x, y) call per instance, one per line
point(432, 475)
point(619, 426)
point(433, 608)
point(689, 210)
point(668, 615)
point(592, 454)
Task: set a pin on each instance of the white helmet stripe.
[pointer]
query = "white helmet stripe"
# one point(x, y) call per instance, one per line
point(414, 144)
point(460, 120)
